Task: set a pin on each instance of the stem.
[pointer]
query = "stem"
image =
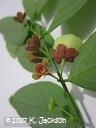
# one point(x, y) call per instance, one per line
point(62, 68)
point(52, 60)
point(41, 50)
point(43, 35)
point(66, 80)
point(77, 112)
point(55, 66)
point(53, 76)
point(68, 114)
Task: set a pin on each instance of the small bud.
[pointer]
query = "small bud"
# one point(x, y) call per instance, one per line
point(20, 17)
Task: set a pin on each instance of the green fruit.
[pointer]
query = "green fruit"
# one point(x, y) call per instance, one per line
point(69, 40)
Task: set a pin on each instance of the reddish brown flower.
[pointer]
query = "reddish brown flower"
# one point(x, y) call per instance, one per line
point(59, 53)
point(33, 43)
point(20, 17)
point(61, 48)
point(56, 56)
point(71, 54)
point(62, 52)
point(36, 40)
point(41, 69)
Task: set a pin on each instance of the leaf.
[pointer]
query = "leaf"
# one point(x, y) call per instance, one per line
point(33, 100)
point(49, 10)
point(83, 72)
point(48, 39)
point(82, 28)
point(23, 59)
point(12, 49)
point(14, 33)
point(33, 7)
point(65, 10)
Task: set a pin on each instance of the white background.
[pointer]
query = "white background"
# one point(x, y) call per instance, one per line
point(13, 76)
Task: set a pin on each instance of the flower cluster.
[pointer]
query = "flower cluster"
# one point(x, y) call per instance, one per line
point(58, 53)
point(62, 52)
point(33, 47)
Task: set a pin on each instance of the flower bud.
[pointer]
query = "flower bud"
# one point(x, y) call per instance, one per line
point(20, 17)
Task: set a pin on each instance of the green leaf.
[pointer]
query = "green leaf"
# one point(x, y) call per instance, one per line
point(33, 8)
point(22, 55)
point(12, 49)
point(65, 10)
point(83, 72)
point(14, 33)
point(49, 10)
point(82, 28)
point(33, 101)
point(48, 39)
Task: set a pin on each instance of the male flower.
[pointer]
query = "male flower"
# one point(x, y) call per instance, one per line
point(41, 69)
point(33, 43)
point(59, 53)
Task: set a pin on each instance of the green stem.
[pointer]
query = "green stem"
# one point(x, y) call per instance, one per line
point(62, 67)
point(43, 35)
point(66, 80)
point(68, 114)
point(51, 59)
point(77, 112)
point(41, 50)
point(53, 76)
